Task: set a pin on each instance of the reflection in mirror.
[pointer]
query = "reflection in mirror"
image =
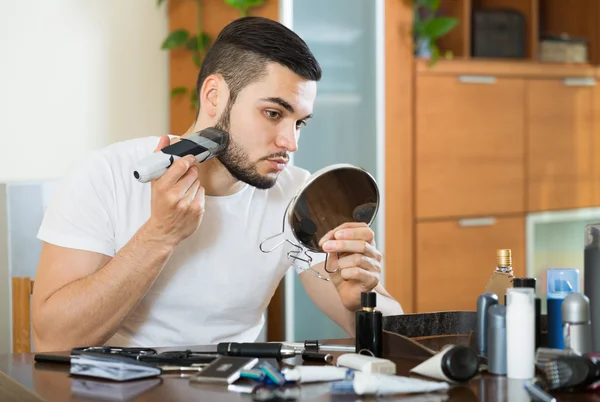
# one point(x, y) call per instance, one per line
point(333, 196)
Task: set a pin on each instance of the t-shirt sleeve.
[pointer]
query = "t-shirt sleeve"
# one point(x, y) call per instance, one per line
point(80, 213)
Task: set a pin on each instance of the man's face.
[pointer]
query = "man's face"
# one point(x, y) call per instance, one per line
point(264, 125)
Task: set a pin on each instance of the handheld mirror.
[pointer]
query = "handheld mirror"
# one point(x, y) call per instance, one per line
point(332, 196)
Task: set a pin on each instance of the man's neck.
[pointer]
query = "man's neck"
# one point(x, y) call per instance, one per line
point(214, 177)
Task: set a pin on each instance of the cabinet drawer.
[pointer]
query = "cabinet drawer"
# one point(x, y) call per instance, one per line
point(560, 130)
point(455, 259)
point(469, 146)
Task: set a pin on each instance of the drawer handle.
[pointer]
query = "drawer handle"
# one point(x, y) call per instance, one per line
point(473, 222)
point(579, 81)
point(477, 79)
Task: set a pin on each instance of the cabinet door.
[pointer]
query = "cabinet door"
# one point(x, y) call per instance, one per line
point(455, 259)
point(469, 152)
point(559, 147)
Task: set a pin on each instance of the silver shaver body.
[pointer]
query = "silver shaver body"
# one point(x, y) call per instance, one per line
point(204, 145)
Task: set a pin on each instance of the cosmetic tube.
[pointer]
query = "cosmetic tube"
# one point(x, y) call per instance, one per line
point(454, 363)
point(386, 384)
point(520, 333)
point(561, 282)
point(303, 374)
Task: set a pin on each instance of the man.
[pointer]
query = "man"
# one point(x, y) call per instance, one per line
point(177, 262)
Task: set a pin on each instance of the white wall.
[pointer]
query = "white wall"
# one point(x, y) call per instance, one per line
point(76, 75)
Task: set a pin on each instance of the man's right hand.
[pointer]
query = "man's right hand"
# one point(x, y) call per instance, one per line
point(177, 203)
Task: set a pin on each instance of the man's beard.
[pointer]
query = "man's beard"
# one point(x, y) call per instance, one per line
point(237, 161)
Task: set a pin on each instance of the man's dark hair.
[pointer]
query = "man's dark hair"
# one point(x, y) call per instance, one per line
point(245, 46)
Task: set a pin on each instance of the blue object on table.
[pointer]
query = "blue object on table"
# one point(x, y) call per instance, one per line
point(272, 375)
point(561, 282)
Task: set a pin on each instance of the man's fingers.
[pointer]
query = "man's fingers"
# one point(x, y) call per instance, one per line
point(330, 235)
point(368, 279)
point(357, 233)
point(190, 194)
point(352, 246)
point(186, 182)
point(163, 142)
point(179, 168)
point(199, 199)
point(359, 261)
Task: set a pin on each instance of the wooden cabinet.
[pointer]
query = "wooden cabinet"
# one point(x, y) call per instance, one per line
point(456, 259)
point(469, 146)
point(560, 131)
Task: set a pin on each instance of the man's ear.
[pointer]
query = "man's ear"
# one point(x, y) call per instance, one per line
point(209, 95)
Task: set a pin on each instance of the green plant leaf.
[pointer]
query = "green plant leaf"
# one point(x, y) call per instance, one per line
point(244, 5)
point(192, 43)
point(196, 59)
point(438, 27)
point(175, 39)
point(435, 54)
point(159, 2)
point(419, 28)
point(430, 4)
point(178, 91)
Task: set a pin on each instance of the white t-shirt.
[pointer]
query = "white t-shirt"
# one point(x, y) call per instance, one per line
point(216, 285)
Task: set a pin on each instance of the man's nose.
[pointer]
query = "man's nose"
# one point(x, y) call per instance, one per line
point(288, 139)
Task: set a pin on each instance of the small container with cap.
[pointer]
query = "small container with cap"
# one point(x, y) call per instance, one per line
point(577, 327)
point(496, 339)
point(369, 326)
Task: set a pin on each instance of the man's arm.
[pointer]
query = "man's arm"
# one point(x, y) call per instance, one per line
point(81, 297)
point(327, 299)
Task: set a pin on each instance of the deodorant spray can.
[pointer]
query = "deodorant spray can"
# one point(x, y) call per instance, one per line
point(591, 278)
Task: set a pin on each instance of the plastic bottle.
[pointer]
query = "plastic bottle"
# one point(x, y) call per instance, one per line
point(561, 282)
point(520, 333)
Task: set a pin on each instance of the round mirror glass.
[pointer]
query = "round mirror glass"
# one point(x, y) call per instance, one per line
point(332, 196)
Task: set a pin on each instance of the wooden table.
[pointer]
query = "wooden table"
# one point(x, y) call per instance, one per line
point(21, 379)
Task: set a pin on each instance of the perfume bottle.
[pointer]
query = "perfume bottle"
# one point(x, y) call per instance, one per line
point(502, 276)
point(369, 326)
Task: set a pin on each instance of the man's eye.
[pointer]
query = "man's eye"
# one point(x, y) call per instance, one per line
point(272, 114)
point(300, 123)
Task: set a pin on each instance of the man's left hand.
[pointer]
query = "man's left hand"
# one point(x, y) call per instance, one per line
point(354, 258)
